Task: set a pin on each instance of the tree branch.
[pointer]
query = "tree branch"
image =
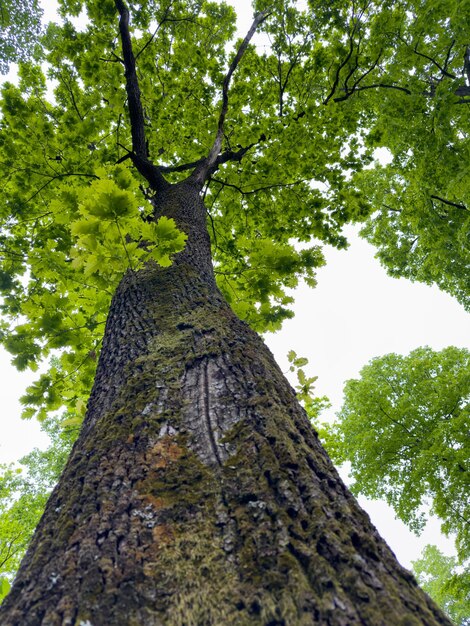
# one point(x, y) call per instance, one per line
point(443, 70)
point(57, 176)
point(136, 114)
point(364, 75)
point(343, 64)
point(449, 203)
point(165, 20)
point(228, 155)
point(253, 191)
point(72, 96)
point(116, 59)
point(375, 86)
point(466, 64)
point(201, 173)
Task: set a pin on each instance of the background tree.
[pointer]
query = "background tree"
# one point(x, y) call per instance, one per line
point(24, 490)
point(443, 579)
point(404, 429)
point(194, 457)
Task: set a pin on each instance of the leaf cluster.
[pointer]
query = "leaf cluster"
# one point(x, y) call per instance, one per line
point(20, 28)
point(312, 404)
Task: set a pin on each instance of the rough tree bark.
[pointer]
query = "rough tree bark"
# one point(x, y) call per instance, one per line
point(197, 492)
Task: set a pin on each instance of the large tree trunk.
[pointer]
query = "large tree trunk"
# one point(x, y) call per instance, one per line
point(197, 492)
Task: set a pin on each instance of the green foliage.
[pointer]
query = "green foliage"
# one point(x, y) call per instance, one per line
point(410, 67)
point(312, 404)
point(72, 221)
point(404, 429)
point(24, 490)
point(20, 26)
point(109, 235)
point(442, 578)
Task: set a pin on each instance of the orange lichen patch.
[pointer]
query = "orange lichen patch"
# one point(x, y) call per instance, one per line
point(165, 451)
point(162, 534)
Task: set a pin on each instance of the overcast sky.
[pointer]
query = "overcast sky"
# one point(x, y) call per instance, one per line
point(355, 313)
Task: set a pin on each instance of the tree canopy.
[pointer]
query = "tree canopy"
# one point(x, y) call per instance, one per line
point(296, 120)
point(419, 112)
point(403, 428)
point(20, 27)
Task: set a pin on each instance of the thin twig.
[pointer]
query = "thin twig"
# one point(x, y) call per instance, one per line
point(346, 60)
point(253, 191)
point(375, 86)
point(38, 191)
point(434, 62)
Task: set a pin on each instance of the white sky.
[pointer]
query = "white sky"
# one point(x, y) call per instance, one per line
point(356, 313)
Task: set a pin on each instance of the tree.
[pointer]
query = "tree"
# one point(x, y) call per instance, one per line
point(439, 576)
point(404, 428)
point(197, 491)
point(20, 26)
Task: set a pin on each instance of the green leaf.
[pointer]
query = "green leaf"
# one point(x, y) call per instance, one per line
point(5, 586)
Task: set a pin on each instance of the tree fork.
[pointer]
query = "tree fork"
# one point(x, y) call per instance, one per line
point(198, 492)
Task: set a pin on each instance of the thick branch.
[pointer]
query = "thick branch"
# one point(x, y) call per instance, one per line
point(462, 91)
point(136, 114)
point(132, 85)
point(203, 170)
point(228, 155)
point(466, 64)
